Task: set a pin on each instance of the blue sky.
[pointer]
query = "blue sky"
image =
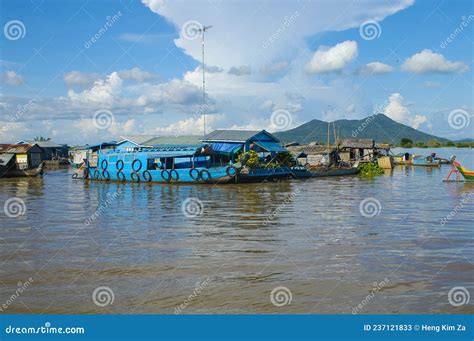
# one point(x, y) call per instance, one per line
point(272, 65)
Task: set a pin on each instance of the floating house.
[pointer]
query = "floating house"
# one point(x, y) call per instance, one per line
point(356, 149)
point(20, 160)
point(51, 150)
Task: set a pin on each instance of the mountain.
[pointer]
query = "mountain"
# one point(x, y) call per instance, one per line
point(378, 127)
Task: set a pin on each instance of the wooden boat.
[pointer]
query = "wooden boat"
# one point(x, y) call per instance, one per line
point(458, 169)
point(13, 173)
point(416, 160)
point(172, 165)
point(301, 172)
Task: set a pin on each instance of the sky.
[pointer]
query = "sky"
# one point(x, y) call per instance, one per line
point(86, 71)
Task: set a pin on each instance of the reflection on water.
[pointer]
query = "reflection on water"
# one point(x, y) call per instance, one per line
point(308, 236)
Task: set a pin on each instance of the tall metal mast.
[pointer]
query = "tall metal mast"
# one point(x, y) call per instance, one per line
point(202, 31)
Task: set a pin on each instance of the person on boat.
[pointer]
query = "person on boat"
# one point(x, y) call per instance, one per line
point(334, 158)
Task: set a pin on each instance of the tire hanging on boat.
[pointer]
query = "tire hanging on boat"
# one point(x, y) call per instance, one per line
point(146, 175)
point(75, 175)
point(121, 176)
point(119, 164)
point(165, 175)
point(106, 174)
point(194, 174)
point(174, 175)
point(134, 163)
point(205, 175)
point(104, 164)
point(231, 171)
point(135, 175)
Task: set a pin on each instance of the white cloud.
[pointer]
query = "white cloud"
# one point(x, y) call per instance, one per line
point(374, 68)
point(427, 61)
point(79, 78)
point(190, 126)
point(12, 78)
point(103, 92)
point(242, 70)
point(332, 59)
point(397, 110)
point(136, 74)
point(230, 42)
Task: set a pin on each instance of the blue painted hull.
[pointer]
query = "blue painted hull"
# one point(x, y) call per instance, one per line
point(217, 175)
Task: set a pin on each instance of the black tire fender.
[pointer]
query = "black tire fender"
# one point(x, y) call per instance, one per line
point(119, 162)
point(134, 163)
point(146, 175)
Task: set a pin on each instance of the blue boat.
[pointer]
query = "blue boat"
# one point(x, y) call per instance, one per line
point(174, 165)
point(157, 165)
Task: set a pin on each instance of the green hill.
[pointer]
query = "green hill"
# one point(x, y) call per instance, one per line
point(378, 127)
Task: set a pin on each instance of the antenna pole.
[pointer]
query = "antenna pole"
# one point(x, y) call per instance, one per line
point(202, 31)
point(203, 83)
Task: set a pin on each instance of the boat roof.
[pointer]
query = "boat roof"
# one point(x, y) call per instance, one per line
point(43, 144)
point(17, 148)
point(5, 159)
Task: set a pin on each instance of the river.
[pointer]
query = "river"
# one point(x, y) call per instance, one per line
point(397, 243)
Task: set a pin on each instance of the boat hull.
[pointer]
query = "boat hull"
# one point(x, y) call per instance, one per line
point(301, 174)
point(17, 173)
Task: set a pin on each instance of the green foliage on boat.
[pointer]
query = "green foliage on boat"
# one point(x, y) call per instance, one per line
point(370, 169)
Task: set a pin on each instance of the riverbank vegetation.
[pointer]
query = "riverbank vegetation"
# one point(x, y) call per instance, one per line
point(433, 143)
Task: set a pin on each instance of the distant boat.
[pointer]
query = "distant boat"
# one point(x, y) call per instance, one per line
point(416, 160)
point(467, 174)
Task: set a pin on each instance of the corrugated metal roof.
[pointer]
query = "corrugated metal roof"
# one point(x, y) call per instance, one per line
point(138, 139)
point(15, 148)
point(270, 146)
point(5, 159)
point(43, 144)
point(356, 143)
point(175, 140)
point(230, 135)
